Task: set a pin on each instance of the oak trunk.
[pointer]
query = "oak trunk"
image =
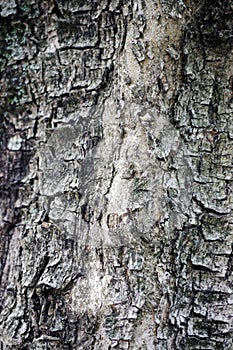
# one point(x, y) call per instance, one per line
point(116, 175)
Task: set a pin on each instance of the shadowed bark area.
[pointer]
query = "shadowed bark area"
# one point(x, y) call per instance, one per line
point(116, 175)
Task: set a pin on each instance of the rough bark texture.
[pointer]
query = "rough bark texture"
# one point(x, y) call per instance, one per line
point(116, 174)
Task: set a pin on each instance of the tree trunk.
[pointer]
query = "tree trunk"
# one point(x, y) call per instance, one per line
point(116, 174)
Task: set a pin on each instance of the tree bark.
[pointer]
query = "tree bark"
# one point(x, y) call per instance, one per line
point(116, 174)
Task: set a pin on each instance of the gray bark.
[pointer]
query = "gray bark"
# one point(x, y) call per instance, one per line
point(116, 174)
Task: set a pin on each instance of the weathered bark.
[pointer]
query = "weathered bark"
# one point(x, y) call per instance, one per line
point(116, 180)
